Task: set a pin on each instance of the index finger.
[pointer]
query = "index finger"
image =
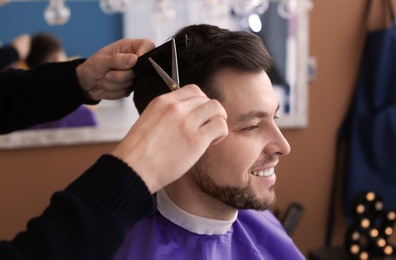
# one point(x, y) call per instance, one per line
point(136, 46)
point(186, 92)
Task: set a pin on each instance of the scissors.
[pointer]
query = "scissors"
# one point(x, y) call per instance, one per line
point(173, 83)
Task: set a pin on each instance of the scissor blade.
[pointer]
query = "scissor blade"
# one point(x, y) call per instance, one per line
point(168, 80)
point(175, 67)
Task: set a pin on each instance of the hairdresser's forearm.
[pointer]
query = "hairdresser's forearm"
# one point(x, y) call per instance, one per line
point(45, 94)
point(89, 219)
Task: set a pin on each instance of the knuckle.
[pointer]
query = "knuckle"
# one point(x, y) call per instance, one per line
point(174, 108)
point(215, 103)
point(159, 100)
point(217, 106)
point(195, 89)
point(149, 43)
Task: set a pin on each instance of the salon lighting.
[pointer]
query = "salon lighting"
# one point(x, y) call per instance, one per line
point(56, 13)
point(113, 6)
point(255, 23)
point(246, 7)
point(163, 11)
point(285, 8)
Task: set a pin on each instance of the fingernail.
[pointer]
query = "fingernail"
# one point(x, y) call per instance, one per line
point(128, 60)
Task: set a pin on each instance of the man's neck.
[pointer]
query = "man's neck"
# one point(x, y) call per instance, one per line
point(194, 201)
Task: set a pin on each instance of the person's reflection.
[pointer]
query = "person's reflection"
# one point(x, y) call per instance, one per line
point(276, 32)
point(48, 48)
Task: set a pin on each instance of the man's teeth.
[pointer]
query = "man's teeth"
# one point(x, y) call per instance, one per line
point(265, 173)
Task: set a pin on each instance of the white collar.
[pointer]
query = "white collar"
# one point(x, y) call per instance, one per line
point(193, 223)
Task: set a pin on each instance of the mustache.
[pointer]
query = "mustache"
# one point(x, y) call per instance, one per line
point(269, 159)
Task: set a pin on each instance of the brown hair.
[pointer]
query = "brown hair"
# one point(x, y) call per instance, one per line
point(43, 47)
point(203, 51)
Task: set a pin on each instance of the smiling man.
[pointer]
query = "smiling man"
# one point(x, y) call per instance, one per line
point(219, 208)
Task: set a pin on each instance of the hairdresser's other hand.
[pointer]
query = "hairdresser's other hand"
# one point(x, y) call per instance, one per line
point(22, 45)
point(107, 74)
point(171, 135)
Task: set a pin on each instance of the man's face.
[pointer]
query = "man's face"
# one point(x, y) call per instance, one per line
point(239, 171)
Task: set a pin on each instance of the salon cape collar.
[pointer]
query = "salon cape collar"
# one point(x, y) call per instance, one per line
point(193, 223)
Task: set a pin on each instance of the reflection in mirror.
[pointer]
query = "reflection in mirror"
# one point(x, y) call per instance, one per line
point(283, 26)
point(277, 31)
point(94, 33)
point(284, 31)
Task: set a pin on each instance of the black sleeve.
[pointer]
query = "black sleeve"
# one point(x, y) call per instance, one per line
point(47, 93)
point(89, 219)
point(8, 55)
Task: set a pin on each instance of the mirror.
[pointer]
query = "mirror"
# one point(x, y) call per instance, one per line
point(284, 30)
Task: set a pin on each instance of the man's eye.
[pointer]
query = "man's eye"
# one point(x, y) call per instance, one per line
point(250, 128)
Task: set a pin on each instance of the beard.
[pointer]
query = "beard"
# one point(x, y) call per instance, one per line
point(237, 197)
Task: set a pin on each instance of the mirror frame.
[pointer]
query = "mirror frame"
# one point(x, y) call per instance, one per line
point(299, 118)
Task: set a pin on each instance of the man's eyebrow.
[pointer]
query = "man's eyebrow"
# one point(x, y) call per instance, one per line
point(245, 118)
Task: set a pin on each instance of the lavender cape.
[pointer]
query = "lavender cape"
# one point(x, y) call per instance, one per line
point(254, 235)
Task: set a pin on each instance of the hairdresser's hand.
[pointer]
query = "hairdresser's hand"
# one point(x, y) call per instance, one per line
point(107, 74)
point(22, 45)
point(171, 135)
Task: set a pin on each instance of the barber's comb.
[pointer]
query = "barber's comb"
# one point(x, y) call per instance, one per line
point(159, 54)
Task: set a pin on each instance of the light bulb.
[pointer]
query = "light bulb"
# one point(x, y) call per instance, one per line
point(113, 6)
point(286, 7)
point(57, 13)
point(255, 23)
point(245, 7)
point(261, 6)
point(242, 7)
point(162, 12)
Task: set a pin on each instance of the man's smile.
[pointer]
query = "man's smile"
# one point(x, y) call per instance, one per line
point(264, 173)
